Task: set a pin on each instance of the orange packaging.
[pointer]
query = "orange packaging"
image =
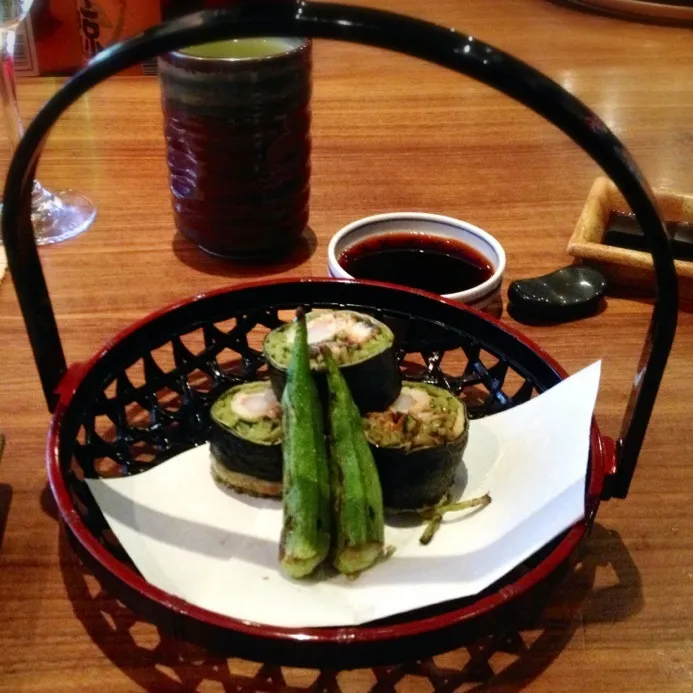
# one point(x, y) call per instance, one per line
point(48, 40)
point(60, 36)
point(104, 22)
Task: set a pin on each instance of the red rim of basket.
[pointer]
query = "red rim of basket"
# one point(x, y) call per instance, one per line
point(335, 634)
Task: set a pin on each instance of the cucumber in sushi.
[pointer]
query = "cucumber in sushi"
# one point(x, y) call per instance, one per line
point(246, 438)
point(417, 445)
point(362, 347)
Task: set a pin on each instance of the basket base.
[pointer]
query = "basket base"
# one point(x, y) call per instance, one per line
point(510, 653)
point(482, 634)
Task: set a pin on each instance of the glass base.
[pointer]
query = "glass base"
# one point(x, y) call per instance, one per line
point(60, 215)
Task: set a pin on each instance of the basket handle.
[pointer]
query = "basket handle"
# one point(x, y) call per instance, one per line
point(413, 37)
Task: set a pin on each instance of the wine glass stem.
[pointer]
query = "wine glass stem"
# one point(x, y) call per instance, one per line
point(57, 216)
point(10, 107)
point(8, 88)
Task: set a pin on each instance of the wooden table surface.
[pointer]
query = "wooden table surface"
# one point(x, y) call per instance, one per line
point(390, 133)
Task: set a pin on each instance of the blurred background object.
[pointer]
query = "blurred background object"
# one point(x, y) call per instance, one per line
point(60, 36)
point(105, 22)
point(674, 12)
point(48, 40)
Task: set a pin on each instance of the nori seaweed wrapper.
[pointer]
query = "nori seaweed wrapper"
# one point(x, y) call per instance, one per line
point(242, 456)
point(418, 477)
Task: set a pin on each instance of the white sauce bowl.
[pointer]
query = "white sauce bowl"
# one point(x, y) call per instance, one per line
point(432, 225)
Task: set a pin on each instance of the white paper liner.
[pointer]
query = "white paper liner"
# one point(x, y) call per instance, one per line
point(218, 550)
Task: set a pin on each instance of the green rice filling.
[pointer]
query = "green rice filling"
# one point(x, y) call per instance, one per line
point(263, 431)
point(442, 422)
point(277, 345)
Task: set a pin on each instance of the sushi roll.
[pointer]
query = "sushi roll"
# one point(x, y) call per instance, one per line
point(245, 440)
point(362, 346)
point(417, 445)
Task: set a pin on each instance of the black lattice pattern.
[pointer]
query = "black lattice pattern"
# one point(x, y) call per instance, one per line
point(172, 665)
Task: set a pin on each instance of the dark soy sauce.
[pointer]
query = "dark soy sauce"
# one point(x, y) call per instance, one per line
point(421, 261)
point(623, 231)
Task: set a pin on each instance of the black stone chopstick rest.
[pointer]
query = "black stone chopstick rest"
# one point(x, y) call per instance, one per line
point(565, 294)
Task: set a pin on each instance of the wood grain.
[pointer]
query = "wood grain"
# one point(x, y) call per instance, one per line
point(390, 133)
